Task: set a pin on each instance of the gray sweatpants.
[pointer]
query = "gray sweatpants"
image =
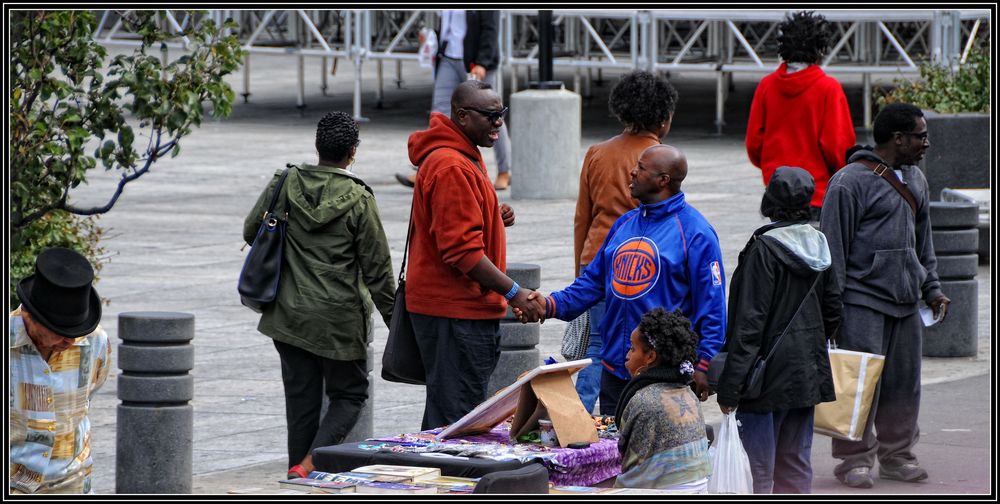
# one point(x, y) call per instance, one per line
point(448, 76)
point(897, 397)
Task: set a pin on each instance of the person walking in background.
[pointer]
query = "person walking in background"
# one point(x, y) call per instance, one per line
point(644, 104)
point(59, 357)
point(662, 443)
point(799, 115)
point(662, 254)
point(468, 48)
point(336, 264)
point(783, 287)
point(456, 291)
point(880, 242)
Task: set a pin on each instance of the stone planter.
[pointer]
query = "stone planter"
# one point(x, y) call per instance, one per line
point(959, 156)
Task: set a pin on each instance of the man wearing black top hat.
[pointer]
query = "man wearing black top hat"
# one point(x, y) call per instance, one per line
point(59, 357)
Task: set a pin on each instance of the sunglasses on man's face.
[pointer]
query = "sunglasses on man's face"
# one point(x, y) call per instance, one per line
point(492, 115)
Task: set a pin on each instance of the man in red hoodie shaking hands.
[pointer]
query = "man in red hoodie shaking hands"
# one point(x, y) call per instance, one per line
point(799, 115)
point(456, 291)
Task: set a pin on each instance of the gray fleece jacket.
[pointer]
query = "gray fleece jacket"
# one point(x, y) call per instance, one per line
point(883, 256)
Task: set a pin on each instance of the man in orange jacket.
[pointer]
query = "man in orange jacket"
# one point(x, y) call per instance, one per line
point(456, 291)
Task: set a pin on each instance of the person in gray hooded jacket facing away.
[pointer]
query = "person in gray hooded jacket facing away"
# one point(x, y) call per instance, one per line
point(784, 296)
point(885, 263)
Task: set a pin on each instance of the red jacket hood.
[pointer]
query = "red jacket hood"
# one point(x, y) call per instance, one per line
point(441, 133)
point(794, 84)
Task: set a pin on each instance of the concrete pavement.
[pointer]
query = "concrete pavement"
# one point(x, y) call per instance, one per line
point(174, 243)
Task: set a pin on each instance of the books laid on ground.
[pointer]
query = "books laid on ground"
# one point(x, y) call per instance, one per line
point(448, 484)
point(408, 472)
point(310, 485)
point(377, 487)
point(356, 477)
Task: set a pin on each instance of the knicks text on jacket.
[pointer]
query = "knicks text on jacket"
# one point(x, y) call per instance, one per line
point(635, 268)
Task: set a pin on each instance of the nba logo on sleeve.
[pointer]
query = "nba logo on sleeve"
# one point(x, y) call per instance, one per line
point(716, 273)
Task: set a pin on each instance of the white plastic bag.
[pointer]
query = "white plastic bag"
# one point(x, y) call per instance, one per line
point(730, 464)
point(428, 48)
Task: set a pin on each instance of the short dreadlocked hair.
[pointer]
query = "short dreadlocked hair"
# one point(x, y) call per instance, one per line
point(803, 37)
point(642, 101)
point(336, 135)
point(670, 334)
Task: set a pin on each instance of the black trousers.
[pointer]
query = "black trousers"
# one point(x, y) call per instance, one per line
point(611, 391)
point(304, 374)
point(459, 357)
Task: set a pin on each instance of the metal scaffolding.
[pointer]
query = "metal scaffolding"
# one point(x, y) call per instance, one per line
point(717, 42)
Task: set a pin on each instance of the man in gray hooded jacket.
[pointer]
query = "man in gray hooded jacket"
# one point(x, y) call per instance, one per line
point(884, 260)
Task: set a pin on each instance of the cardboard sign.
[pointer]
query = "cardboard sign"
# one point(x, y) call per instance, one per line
point(553, 395)
point(508, 400)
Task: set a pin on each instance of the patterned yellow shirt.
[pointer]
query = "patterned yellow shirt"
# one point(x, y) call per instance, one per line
point(49, 403)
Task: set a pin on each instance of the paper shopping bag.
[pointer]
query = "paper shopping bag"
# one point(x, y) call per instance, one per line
point(855, 376)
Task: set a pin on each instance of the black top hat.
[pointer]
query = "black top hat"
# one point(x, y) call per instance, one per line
point(60, 294)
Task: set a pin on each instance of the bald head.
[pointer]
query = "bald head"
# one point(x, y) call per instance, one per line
point(670, 160)
point(467, 94)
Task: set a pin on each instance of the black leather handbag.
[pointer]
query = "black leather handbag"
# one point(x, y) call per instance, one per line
point(401, 362)
point(258, 285)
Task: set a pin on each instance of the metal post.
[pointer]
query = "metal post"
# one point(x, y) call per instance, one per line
point(301, 101)
point(545, 51)
point(155, 423)
point(246, 79)
point(379, 92)
point(322, 73)
point(866, 84)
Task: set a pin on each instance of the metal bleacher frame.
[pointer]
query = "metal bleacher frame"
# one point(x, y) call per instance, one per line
point(707, 41)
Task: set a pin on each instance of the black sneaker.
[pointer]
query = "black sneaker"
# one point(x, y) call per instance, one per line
point(909, 472)
point(859, 477)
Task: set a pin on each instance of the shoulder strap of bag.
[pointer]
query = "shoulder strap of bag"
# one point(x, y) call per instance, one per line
point(406, 247)
point(882, 170)
point(278, 194)
point(796, 314)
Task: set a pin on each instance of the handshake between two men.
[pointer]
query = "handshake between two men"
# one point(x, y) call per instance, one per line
point(531, 309)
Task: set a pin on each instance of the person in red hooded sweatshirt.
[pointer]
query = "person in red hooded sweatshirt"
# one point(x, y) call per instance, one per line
point(456, 291)
point(799, 115)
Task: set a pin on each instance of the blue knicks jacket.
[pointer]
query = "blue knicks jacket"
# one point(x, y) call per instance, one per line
point(662, 255)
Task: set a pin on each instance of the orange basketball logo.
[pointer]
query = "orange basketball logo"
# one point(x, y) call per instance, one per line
point(635, 268)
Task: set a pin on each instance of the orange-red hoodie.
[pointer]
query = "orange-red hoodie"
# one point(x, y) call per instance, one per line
point(456, 220)
point(800, 119)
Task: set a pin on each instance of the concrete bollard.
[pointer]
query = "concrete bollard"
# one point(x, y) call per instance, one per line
point(155, 422)
point(955, 237)
point(517, 341)
point(545, 144)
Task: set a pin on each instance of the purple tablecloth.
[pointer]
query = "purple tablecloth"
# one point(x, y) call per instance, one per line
point(581, 467)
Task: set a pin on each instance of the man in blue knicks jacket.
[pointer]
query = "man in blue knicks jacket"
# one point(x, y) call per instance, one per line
point(662, 254)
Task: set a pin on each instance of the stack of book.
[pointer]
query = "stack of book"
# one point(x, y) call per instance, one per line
point(381, 479)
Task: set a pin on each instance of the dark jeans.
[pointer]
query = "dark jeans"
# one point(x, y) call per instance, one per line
point(611, 390)
point(304, 374)
point(459, 357)
point(891, 429)
point(588, 379)
point(779, 446)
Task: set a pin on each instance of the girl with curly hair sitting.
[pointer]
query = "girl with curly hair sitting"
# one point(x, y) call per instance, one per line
point(663, 442)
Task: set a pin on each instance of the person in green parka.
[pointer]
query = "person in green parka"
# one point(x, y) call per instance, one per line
point(336, 264)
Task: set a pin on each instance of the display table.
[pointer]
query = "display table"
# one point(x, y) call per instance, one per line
point(475, 455)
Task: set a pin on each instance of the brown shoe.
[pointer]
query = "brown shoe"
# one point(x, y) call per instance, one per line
point(503, 181)
point(407, 180)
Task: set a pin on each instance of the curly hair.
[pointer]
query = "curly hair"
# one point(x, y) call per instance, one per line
point(336, 135)
point(642, 101)
point(670, 334)
point(803, 37)
point(895, 117)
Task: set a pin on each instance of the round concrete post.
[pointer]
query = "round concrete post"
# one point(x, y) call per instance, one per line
point(155, 421)
point(517, 341)
point(545, 144)
point(955, 238)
